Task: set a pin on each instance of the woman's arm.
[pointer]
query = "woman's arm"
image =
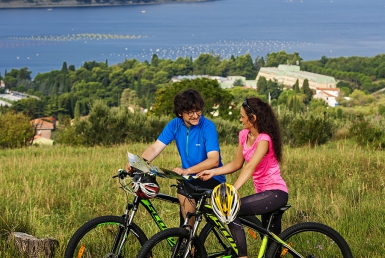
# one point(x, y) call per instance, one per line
point(249, 168)
point(226, 169)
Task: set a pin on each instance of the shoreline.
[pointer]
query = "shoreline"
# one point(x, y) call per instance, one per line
point(73, 3)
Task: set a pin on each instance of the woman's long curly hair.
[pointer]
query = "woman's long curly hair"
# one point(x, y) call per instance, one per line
point(266, 122)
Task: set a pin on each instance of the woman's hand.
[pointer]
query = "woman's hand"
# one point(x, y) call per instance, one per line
point(206, 174)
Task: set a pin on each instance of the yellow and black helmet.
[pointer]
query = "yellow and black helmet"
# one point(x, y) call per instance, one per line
point(225, 201)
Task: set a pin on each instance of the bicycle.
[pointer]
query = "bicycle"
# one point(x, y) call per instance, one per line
point(118, 236)
point(305, 239)
point(115, 236)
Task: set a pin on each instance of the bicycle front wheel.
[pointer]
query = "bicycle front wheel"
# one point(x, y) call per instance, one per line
point(311, 239)
point(101, 237)
point(171, 243)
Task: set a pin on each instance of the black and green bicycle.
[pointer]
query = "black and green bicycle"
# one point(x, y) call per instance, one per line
point(303, 240)
point(119, 236)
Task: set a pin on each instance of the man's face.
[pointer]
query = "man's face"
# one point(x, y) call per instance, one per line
point(191, 117)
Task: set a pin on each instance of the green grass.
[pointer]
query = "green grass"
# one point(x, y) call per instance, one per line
point(51, 191)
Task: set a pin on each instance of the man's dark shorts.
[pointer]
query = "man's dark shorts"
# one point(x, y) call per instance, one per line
point(186, 191)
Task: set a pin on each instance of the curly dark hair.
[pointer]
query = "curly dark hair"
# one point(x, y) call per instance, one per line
point(266, 122)
point(188, 100)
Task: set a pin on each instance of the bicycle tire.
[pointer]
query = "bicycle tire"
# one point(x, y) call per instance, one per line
point(96, 237)
point(158, 245)
point(311, 239)
point(217, 246)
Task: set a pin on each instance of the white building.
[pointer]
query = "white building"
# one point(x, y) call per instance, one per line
point(287, 75)
point(224, 82)
point(329, 95)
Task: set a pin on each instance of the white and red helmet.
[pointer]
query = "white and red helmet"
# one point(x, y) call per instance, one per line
point(145, 186)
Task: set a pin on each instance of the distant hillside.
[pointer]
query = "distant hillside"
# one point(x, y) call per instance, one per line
point(74, 3)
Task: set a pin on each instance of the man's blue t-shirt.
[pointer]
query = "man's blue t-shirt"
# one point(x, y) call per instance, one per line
point(193, 142)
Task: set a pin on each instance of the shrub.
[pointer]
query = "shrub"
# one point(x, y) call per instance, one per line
point(309, 128)
point(367, 133)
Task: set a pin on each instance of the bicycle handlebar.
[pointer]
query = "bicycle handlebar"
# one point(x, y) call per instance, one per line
point(196, 190)
point(123, 173)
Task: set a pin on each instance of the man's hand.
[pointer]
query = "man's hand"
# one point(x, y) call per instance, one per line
point(181, 171)
point(128, 168)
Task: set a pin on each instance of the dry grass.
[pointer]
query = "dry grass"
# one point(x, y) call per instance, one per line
point(50, 192)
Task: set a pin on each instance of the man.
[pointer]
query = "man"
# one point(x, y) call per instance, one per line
point(197, 141)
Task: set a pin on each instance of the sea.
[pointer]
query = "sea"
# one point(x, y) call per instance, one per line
point(41, 39)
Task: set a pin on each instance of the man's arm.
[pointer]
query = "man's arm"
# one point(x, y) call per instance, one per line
point(153, 150)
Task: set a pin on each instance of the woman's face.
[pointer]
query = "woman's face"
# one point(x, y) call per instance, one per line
point(245, 120)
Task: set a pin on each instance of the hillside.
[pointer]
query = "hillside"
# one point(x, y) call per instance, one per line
point(81, 3)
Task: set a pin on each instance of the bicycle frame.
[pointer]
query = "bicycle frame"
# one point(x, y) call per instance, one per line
point(133, 207)
point(267, 234)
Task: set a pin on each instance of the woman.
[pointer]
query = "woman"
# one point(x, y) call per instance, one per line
point(260, 146)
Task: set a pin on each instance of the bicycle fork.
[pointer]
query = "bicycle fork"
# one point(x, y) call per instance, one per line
point(124, 230)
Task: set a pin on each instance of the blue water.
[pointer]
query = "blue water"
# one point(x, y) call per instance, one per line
point(42, 39)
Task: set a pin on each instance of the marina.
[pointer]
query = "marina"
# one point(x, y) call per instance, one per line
point(114, 34)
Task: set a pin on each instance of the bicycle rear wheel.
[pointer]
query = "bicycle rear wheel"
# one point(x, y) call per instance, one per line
point(217, 245)
point(101, 236)
point(311, 239)
point(171, 243)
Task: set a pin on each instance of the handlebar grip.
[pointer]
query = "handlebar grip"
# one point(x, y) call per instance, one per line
point(122, 174)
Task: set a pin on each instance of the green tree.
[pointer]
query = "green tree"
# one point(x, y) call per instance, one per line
point(273, 89)
point(31, 107)
point(128, 98)
point(16, 130)
point(244, 67)
point(259, 62)
point(238, 82)
point(306, 91)
point(206, 64)
point(296, 87)
point(262, 86)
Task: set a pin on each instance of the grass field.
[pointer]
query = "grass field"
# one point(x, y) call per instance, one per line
point(50, 192)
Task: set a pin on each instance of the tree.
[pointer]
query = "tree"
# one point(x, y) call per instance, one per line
point(295, 104)
point(16, 130)
point(64, 68)
point(259, 62)
point(206, 63)
point(262, 85)
point(154, 60)
point(128, 98)
point(244, 67)
point(273, 89)
point(239, 82)
point(31, 107)
point(296, 87)
point(276, 58)
point(307, 91)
